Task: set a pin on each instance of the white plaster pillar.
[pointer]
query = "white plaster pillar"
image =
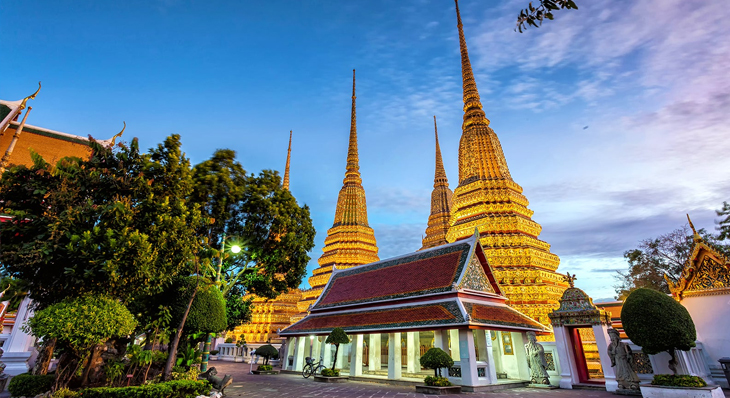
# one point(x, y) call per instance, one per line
point(374, 353)
point(481, 343)
point(356, 361)
point(299, 354)
point(317, 344)
point(601, 333)
point(19, 346)
point(394, 361)
point(467, 358)
point(441, 340)
point(518, 345)
point(340, 364)
point(564, 348)
point(492, 366)
point(454, 344)
point(412, 352)
point(327, 355)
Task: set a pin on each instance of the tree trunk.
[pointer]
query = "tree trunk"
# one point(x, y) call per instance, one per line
point(673, 361)
point(87, 370)
point(176, 340)
point(334, 361)
point(44, 357)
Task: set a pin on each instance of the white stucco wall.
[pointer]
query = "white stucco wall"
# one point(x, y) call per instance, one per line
point(711, 315)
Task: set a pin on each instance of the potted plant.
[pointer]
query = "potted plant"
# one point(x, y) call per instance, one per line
point(658, 323)
point(436, 359)
point(214, 355)
point(267, 352)
point(336, 337)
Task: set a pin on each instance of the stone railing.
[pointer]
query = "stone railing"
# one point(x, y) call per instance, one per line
point(230, 352)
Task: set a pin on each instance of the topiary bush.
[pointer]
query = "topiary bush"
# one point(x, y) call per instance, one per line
point(28, 385)
point(435, 358)
point(208, 312)
point(170, 389)
point(437, 381)
point(267, 351)
point(658, 323)
point(265, 368)
point(678, 381)
point(337, 337)
point(83, 322)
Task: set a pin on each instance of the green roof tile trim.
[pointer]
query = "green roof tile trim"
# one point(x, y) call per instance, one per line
point(371, 294)
point(438, 314)
point(4, 111)
point(46, 133)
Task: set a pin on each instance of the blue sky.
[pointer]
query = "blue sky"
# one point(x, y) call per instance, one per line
point(614, 123)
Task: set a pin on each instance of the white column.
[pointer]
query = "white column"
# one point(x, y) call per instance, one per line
point(394, 362)
point(340, 356)
point(441, 339)
point(564, 348)
point(19, 347)
point(602, 339)
point(412, 352)
point(317, 348)
point(374, 354)
point(299, 353)
point(518, 345)
point(454, 344)
point(492, 366)
point(481, 343)
point(467, 359)
point(356, 361)
point(327, 355)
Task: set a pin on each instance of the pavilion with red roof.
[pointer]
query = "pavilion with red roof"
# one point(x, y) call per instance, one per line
point(396, 309)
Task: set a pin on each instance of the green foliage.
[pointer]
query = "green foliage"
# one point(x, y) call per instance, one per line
point(83, 322)
point(337, 337)
point(533, 16)
point(657, 323)
point(119, 223)
point(656, 257)
point(113, 370)
point(436, 358)
point(180, 373)
point(238, 310)
point(14, 291)
point(187, 356)
point(170, 389)
point(208, 312)
point(257, 214)
point(326, 372)
point(265, 368)
point(214, 352)
point(724, 224)
point(64, 393)
point(436, 381)
point(29, 385)
point(678, 381)
point(229, 340)
point(267, 351)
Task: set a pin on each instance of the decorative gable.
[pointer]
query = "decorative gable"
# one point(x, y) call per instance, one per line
point(474, 278)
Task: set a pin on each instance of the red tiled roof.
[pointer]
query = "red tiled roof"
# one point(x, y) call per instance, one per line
point(434, 314)
point(500, 315)
point(416, 274)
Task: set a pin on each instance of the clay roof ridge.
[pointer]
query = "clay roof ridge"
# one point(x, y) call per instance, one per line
point(59, 133)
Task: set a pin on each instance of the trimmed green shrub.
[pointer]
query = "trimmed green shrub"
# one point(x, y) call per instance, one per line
point(29, 385)
point(337, 337)
point(208, 312)
point(267, 351)
point(83, 322)
point(229, 340)
point(435, 381)
point(436, 358)
point(170, 389)
point(265, 368)
point(64, 393)
point(678, 381)
point(330, 372)
point(657, 323)
point(214, 352)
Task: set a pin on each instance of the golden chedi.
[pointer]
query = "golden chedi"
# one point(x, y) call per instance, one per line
point(350, 241)
point(488, 199)
point(441, 199)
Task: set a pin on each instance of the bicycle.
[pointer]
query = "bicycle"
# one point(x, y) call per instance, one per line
point(312, 367)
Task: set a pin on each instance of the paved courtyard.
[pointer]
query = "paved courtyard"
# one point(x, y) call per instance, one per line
point(292, 385)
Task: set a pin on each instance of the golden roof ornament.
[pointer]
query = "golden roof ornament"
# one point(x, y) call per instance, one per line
point(30, 97)
point(695, 236)
point(285, 184)
point(119, 134)
point(570, 279)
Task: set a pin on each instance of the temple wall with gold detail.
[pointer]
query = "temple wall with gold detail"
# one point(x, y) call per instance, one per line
point(268, 316)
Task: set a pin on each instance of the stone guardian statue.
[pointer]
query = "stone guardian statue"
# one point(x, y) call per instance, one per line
point(536, 361)
point(621, 359)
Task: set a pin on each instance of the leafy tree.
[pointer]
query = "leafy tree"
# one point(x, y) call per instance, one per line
point(238, 310)
point(83, 324)
point(658, 323)
point(724, 224)
point(436, 358)
point(658, 256)
point(208, 312)
point(267, 351)
point(337, 337)
point(533, 16)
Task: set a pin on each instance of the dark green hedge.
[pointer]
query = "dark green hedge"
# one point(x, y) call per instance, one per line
point(29, 386)
point(656, 322)
point(678, 381)
point(170, 389)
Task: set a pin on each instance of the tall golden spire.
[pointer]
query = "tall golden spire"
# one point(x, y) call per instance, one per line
point(488, 199)
point(441, 199)
point(285, 184)
point(350, 241)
